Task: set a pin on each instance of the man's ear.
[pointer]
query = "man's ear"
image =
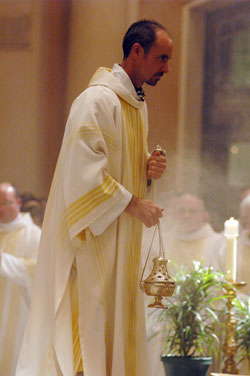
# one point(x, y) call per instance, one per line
point(137, 50)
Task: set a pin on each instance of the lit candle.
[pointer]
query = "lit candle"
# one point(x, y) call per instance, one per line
point(231, 231)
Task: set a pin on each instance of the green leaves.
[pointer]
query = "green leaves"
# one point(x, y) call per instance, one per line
point(242, 315)
point(193, 311)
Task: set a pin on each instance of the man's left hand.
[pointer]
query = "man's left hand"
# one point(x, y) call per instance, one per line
point(156, 165)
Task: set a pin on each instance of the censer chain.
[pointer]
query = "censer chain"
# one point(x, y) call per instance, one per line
point(161, 250)
point(148, 254)
point(161, 247)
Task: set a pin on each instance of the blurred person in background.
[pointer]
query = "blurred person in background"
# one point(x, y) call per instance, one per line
point(191, 237)
point(19, 241)
point(28, 201)
point(35, 206)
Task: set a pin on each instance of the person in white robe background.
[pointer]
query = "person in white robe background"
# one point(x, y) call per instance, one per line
point(87, 311)
point(19, 241)
point(191, 236)
point(188, 236)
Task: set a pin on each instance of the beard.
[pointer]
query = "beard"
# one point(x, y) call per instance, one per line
point(154, 79)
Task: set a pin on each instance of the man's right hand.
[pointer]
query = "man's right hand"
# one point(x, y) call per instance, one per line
point(145, 210)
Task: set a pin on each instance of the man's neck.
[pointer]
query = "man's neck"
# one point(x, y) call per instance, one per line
point(139, 90)
point(132, 74)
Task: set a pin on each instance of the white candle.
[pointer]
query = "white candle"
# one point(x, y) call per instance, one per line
point(231, 231)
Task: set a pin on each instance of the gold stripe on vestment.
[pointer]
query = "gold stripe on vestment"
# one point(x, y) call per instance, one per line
point(84, 129)
point(87, 203)
point(109, 139)
point(77, 355)
point(93, 130)
point(88, 129)
point(137, 149)
point(105, 279)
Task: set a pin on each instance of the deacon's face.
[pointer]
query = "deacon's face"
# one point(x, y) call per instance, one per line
point(154, 64)
point(9, 204)
point(188, 214)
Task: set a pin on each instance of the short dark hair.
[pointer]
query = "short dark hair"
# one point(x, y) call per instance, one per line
point(142, 32)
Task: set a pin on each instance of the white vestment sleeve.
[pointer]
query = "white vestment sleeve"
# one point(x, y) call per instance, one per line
point(18, 271)
point(92, 144)
point(98, 226)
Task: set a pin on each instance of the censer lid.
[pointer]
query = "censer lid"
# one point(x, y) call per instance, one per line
point(159, 272)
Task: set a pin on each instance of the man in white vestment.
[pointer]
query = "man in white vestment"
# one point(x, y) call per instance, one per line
point(190, 237)
point(19, 241)
point(87, 312)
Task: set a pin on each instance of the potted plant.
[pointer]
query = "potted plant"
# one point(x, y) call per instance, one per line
point(242, 333)
point(190, 321)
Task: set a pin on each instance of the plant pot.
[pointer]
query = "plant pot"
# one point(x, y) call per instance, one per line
point(186, 365)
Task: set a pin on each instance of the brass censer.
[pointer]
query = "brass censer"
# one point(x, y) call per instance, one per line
point(158, 284)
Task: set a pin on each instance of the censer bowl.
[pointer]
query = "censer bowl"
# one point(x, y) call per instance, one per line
point(158, 283)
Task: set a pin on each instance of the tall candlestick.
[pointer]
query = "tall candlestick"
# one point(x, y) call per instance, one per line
point(231, 231)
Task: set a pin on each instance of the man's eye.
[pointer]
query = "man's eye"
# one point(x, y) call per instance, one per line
point(163, 59)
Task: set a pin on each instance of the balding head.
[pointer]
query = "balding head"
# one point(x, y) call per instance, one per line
point(10, 203)
point(188, 213)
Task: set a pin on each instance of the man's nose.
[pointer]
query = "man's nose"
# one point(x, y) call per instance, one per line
point(165, 68)
point(186, 214)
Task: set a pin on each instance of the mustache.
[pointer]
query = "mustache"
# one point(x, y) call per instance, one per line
point(159, 74)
